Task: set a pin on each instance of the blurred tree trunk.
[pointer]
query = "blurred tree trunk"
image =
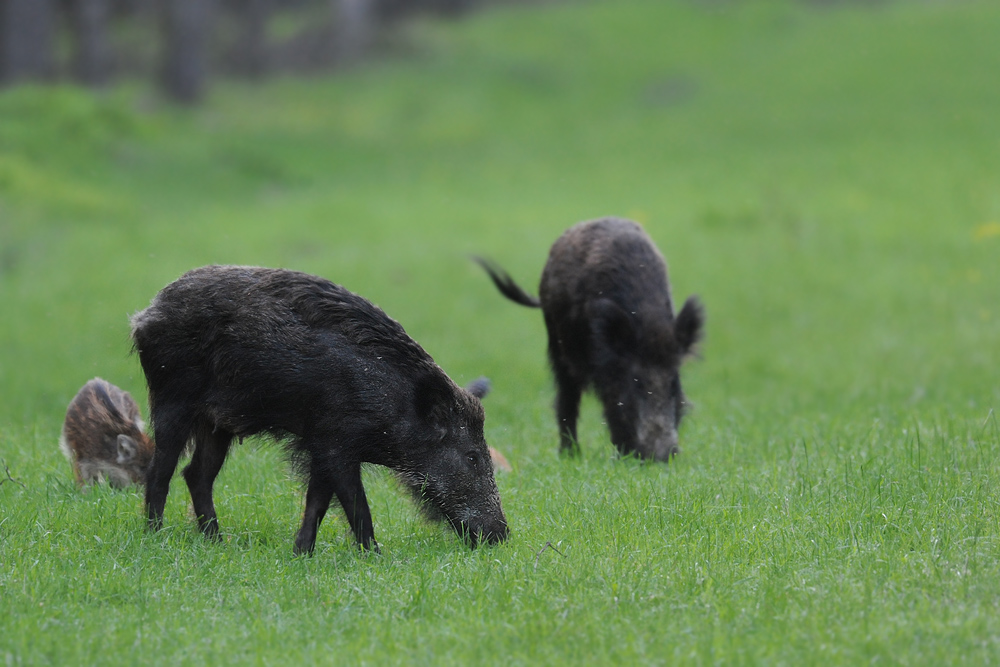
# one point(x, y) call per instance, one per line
point(454, 7)
point(251, 54)
point(354, 25)
point(394, 10)
point(140, 7)
point(90, 29)
point(26, 28)
point(185, 27)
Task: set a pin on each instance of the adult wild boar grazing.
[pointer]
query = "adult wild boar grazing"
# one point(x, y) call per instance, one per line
point(610, 320)
point(232, 351)
point(103, 436)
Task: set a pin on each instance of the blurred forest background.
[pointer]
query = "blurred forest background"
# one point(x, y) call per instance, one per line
point(183, 42)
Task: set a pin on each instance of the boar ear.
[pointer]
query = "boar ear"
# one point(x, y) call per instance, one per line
point(479, 387)
point(689, 325)
point(127, 448)
point(431, 395)
point(610, 324)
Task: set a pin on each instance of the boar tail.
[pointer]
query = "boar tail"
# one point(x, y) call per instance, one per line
point(506, 284)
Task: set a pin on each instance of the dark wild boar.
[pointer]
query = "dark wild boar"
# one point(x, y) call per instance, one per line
point(232, 351)
point(103, 436)
point(610, 320)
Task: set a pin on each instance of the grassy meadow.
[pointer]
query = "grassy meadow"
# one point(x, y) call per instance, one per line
point(825, 177)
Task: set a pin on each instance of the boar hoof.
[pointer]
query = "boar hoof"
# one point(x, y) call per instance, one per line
point(210, 529)
point(303, 549)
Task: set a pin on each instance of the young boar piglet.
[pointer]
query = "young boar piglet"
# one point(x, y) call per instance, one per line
point(103, 436)
point(232, 351)
point(611, 325)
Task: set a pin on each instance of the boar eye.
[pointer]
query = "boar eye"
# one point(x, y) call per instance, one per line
point(472, 457)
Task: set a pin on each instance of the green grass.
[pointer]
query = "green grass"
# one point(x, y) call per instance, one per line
point(826, 179)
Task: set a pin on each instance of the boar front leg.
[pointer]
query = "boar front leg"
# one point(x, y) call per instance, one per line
point(318, 498)
point(346, 484)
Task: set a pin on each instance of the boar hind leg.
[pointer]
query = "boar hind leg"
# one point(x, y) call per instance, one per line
point(211, 447)
point(568, 392)
point(172, 430)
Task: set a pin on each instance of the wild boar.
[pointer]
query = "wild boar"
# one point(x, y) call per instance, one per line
point(231, 351)
point(103, 436)
point(606, 301)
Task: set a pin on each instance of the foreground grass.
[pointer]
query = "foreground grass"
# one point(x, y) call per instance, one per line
point(802, 556)
point(825, 180)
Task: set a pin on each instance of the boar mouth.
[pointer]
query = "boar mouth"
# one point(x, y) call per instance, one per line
point(475, 529)
point(474, 535)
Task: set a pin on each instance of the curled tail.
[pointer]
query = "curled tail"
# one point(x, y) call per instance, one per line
point(506, 284)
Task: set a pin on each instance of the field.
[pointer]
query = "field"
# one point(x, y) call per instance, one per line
point(825, 177)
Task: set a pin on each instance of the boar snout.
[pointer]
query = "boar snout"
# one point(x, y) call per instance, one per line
point(491, 533)
point(660, 447)
point(483, 524)
point(657, 437)
point(492, 537)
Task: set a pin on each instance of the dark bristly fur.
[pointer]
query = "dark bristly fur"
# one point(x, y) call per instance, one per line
point(103, 436)
point(232, 351)
point(610, 319)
